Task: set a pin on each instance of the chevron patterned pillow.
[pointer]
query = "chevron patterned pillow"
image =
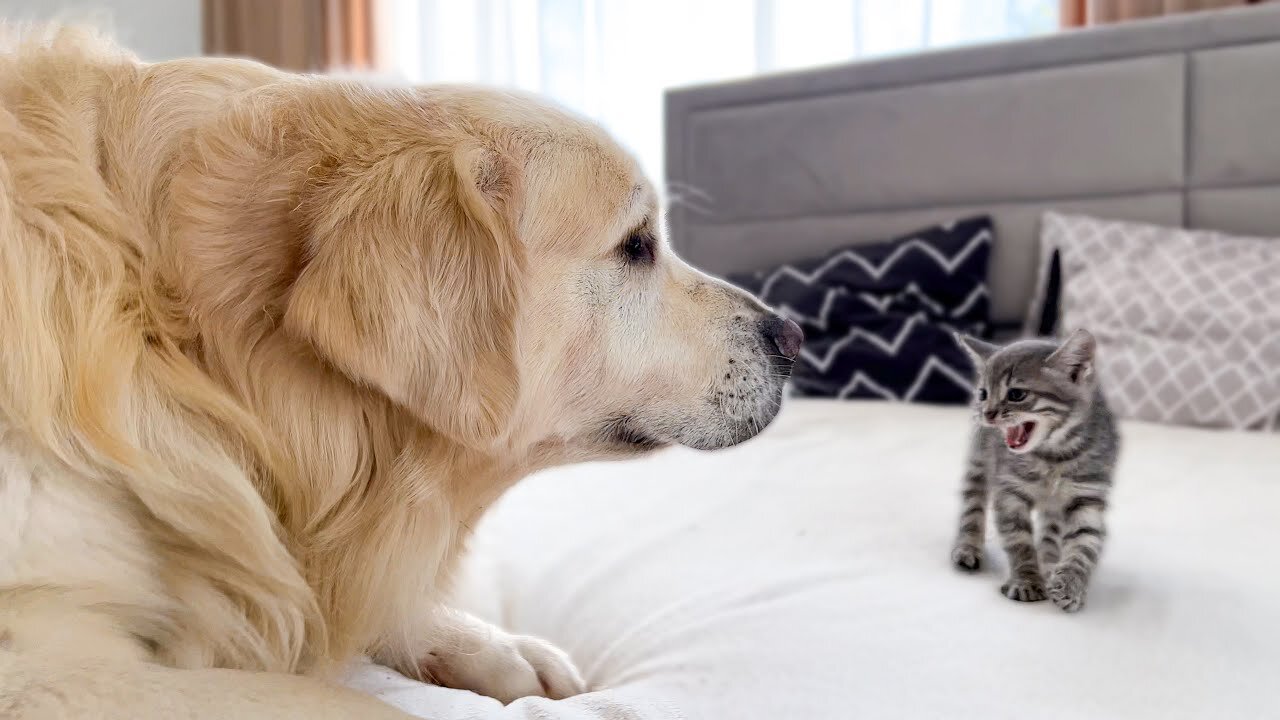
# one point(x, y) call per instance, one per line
point(1187, 321)
point(878, 318)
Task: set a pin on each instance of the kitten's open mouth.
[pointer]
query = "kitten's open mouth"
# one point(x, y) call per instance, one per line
point(1017, 436)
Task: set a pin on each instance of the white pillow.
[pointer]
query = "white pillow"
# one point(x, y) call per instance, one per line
point(1187, 321)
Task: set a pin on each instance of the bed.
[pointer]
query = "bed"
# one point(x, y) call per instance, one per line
point(805, 574)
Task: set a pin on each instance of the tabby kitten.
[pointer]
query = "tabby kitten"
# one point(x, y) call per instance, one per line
point(1045, 442)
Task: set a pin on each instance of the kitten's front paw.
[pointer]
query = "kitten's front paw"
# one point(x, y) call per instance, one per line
point(967, 558)
point(1067, 590)
point(1023, 589)
point(506, 668)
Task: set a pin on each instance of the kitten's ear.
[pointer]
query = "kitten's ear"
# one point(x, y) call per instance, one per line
point(978, 350)
point(1075, 357)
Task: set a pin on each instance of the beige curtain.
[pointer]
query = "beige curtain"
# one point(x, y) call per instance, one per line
point(1078, 13)
point(303, 35)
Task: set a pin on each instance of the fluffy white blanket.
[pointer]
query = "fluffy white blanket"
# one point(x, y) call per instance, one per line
point(805, 575)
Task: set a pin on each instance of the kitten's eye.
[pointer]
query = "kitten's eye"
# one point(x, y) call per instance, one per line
point(982, 395)
point(1015, 395)
point(638, 248)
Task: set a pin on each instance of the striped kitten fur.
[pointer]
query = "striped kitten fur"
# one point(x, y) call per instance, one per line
point(1045, 443)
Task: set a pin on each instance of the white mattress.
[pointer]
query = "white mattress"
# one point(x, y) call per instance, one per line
point(805, 575)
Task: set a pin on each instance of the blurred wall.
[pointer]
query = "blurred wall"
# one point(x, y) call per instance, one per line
point(154, 29)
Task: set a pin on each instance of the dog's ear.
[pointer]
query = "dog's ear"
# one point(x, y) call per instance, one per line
point(413, 288)
point(397, 262)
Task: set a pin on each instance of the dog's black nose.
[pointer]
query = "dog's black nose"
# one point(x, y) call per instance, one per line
point(784, 334)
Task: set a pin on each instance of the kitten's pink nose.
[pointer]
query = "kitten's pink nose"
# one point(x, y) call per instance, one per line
point(990, 415)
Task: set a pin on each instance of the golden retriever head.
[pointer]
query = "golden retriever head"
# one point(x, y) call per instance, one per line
point(494, 266)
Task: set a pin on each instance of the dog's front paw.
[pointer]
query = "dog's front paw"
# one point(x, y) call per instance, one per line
point(557, 676)
point(966, 557)
point(1067, 590)
point(505, 668)
point(1023, 589)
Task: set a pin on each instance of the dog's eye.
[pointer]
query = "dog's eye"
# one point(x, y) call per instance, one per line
point(982, 395)
point(1015, 395)
point(638, 248)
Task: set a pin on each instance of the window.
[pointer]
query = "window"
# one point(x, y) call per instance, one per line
point(612, 59)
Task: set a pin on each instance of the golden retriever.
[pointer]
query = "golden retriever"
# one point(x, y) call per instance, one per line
point(270, 344)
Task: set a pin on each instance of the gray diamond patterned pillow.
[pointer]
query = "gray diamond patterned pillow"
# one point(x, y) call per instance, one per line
point(1187, 321)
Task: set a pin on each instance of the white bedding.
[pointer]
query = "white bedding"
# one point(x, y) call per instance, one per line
point(805, 575)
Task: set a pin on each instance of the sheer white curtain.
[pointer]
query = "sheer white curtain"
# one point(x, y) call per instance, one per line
point(611, 59)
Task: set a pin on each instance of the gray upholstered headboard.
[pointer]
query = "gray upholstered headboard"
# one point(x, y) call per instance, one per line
point(1175, 121)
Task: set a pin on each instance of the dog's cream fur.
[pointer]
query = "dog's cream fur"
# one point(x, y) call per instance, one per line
point(270, 344)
